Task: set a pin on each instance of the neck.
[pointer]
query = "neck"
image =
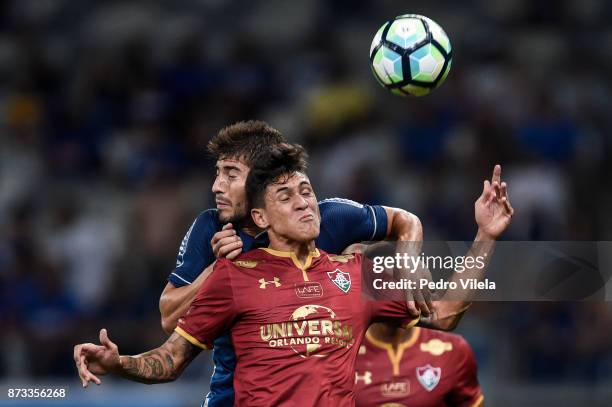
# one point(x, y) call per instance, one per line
point(251, 230)
point(301, 249)
point(390, 333)
point(248, 227)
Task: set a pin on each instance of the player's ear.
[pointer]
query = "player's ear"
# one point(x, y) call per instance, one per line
point(259, 218)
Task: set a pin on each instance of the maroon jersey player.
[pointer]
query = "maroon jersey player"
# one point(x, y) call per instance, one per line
point(295, 327)
point(415, 367)
point(295, 340)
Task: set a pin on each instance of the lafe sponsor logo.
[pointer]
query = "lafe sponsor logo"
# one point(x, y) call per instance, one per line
point(394, 389)
point(308, 289)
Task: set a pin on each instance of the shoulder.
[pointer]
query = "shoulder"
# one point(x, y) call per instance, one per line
point(341, 259)
point(457, 340)
point(207, 222)
point(197, 238)
point(346, 263)
point(208, 218)
point(253, 254)
point(244, 261)
point(362, 219)
point(437, 342)
point(223, 264)
point(428, 334)
point(331, 203)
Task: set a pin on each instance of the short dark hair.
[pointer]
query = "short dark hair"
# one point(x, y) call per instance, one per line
point(244, 140)
point(281, 160)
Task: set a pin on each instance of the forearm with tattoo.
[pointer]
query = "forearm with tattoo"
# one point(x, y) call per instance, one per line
point(160, 365)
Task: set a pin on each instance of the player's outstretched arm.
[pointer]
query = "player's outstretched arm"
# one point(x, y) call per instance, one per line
point(175, 301)
point(404, 226)
point(493, 213)
point(163, 364)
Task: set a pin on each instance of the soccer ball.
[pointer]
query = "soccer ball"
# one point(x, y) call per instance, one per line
point(411, 55)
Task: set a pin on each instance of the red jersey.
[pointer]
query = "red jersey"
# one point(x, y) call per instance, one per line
point(295, 328)
point(431, 368)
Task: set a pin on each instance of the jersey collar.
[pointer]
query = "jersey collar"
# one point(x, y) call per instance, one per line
point(395, 357)
point(313, 254)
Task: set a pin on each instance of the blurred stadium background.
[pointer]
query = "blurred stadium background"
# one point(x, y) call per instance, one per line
point(106, 108)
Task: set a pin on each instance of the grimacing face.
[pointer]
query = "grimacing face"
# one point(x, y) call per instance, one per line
point(291, 211)
point(230, 195)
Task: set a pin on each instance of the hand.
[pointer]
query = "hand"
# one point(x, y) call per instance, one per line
point(92, 360)
point(420, 300)
point(492, 209)
point(226, 243)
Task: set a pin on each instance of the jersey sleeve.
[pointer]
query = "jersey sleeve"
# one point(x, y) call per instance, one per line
point(466, 392)
point(213, 310)
point(383, 305)
point(392, 311)
point(350, 222)
point(195, 252)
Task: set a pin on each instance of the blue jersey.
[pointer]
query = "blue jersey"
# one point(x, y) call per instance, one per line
point(343, 222)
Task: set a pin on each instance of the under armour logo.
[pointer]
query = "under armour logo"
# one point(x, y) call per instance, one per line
point(367, 377)
point(263, 283)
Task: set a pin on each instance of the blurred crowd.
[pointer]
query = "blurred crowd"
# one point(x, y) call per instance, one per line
point(106, 108)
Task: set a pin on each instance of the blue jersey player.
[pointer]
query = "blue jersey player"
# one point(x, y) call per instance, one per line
point(226, 232)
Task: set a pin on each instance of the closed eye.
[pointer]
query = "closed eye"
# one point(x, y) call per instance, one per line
point(307, 192)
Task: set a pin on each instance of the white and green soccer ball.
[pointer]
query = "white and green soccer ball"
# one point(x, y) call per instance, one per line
point(411, 55)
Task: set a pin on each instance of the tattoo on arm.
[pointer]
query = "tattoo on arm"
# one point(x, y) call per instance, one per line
point(160, 365)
